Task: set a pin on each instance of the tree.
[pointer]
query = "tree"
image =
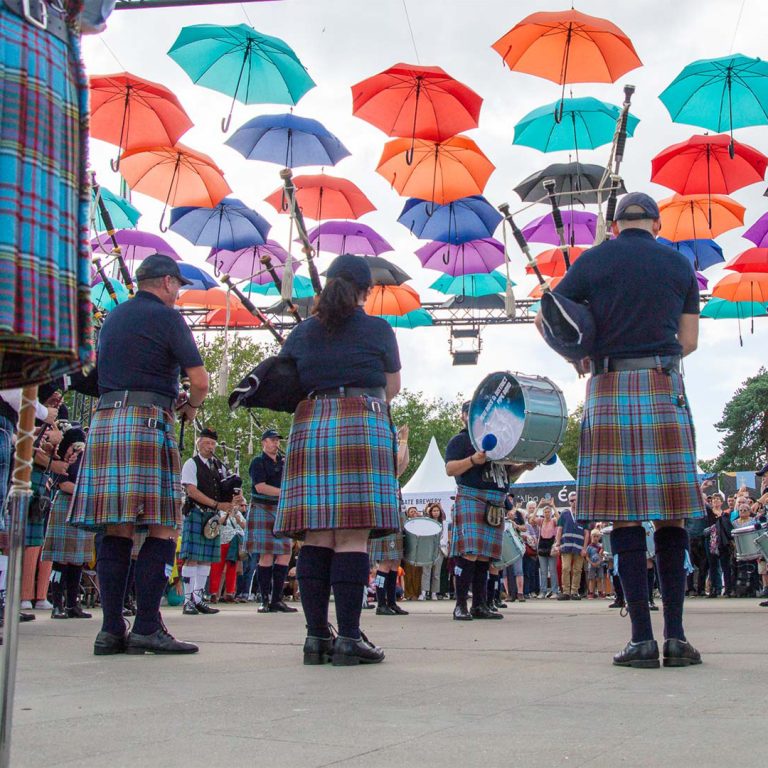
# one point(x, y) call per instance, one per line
point(745, 427)
point(569, 452)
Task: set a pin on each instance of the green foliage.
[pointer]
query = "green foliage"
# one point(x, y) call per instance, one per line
point(569, 452)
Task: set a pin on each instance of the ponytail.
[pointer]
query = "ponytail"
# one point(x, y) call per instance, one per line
point(337, 303)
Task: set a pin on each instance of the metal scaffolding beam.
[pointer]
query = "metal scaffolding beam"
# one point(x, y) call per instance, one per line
point(130, 5)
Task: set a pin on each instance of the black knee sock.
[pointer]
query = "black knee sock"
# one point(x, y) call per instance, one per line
point(265, 582)
point(463, 571)
point(72, 576)
point(130, 583)
point(629, 545)
point(112, 563)
point(153, 567)
point(57, 581)
point(382, 598)
point(671, 544)
point(391, 588)
point(493, 581)
point(279, 574)
point(349, 575)
point(651, 576)
point(480, 583)
point(617, 587)
point(313, 572)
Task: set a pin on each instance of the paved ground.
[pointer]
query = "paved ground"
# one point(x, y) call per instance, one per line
point(536, 689)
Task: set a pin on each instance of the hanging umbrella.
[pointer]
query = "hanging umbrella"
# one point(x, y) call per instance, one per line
point(722, 309)
point(481, 284)
point(579, 226)
point(743, 286)
point(239, 317)
point(474, 256)
point(552, 263)
point(416, 102)
point(132, 112)
point(287, 140)
point(751, 260)
point(573, 181)
point(242, 63)
point(348, 237)
point(688, 217)
point(392, 300)
point(174, 176)
point(134, 244)
point(720, 94)
point(417, 319)
point(201, 280)
point(384, 272)
point(246, 262)
point(469, 218)
point(701, 253)
point(758, 232)
point(587, 123)
point(438, 171)
point(123, 214)
point(702, 281)
point(538, 291)
point(230, 224)
point(302, 288)
point(321, 196)
point(100, 295)
point(213, 298)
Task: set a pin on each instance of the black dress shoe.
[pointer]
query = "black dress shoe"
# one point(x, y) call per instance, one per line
point(484, 612)
point(500, 603)
point(491, 607)
point(460, 612)
point(348, 652)
point(161, 642)
point(680, 653)
point(78, 613)
point(58, 612)
point(26, 617)
point(652, 606)
point(764, 604)
point(263, 608)
point(643, 655)
point(318, 650)
point(128, 612)
point(107, 644)
point(617, 604)
point(577, 596)
point(189, 609)
point(384, 610)
point(395, 608)
point(281, 607)
point(368, 606)
point(203, 607)
point(563, 596)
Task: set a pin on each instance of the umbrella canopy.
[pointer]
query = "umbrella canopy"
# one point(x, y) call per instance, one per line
point(239, 317)
point(587, 123)
point(722, 309)
point(552, 263)
point(135, 244)
point(758, 232)
point(384, 272)
point(688, 217)
point(701, 253)
point(474, 256)
point(201, 280)
point(321, 196)
point(438, 171)
point(348, 237)
point(392, 300)
point(213, 298)
point(302, 288)
point(579, 226)
point(416, 102)
point(287, 140)
point(123, 214)
point(246, 262)
point(751, 260)
point(417, 319)
point(538, 291)
point(573, 181)
point(481, 284)
point(100, 295)
point(743, 286)
point(702, 281)
point(230, 224)
point(470, 218)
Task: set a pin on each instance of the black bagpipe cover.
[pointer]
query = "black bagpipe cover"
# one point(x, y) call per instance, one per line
point(273, 384)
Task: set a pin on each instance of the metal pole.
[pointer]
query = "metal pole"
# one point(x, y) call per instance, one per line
point(17, 513)
point(129, 5)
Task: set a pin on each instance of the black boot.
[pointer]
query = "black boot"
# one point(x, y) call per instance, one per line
point(644, 655)
point(348, 652)
point(318, 650)
point(460, 612)
point(680, 653)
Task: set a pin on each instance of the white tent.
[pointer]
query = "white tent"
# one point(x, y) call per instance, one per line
point(430, 483)
point(546, 473)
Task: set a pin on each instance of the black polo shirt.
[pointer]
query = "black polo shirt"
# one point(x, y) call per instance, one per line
point(637, 290)
point(460, 447)
point(263, 469)
point(143, 345)
point(358, 354)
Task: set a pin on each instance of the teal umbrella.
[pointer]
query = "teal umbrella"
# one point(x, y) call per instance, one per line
point(415, 319)
point(722, 309)
point(242, 63)
point(100, 295)
point(123, 214)
point(471, 284)
point(302, 288)
point(587, 123)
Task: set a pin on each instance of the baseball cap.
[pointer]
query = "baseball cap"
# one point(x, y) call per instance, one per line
point(644, 207)
point(160, 265)
point(353, 268)
point(267, 433)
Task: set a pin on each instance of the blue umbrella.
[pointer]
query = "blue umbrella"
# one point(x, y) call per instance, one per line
point(478, 284)
point(230, 225)
point(469, 218)
point(100, 295)
point(302, 288)
point(701, 253)
point(199, 277)
point(416, 319)
point(287, 140)
point(123, 214)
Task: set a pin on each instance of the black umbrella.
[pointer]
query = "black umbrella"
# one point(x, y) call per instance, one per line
point(384, 272)
point(572, 182)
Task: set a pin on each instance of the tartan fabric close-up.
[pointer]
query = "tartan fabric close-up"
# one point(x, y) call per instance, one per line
point(63, 542)
point(470, 534)
point(194, 546)
point(260, 536)
point(388, 547)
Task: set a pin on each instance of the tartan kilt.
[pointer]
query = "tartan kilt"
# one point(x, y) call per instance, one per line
point(470, 534)
point(34, 531)
point(637, 457)
point(63, 542)
point(389, 547)
point(130, 471)
point(45, 307)
point(194, 546)
point(260, 536)
point(339, 469)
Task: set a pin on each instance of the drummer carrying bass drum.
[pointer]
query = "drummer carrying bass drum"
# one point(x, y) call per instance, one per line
point(478, 521)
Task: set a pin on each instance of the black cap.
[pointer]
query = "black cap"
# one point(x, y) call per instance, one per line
point(465, 406)
point(353, 268)
point(271, 433)
point(160, 265)
point(212, 433)
point(71, 436)
point(644, 205)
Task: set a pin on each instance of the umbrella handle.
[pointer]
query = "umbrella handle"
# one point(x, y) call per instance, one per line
point(225, 122)
point(409, 154)
point(162, 226)
point(114, 164)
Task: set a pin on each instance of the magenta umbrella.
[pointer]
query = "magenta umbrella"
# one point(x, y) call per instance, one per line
point(348, 237)
point(134, 244)
point(758, 232)
point(579, 227)
point(246, 262)
point(472, 257)
point(702, 281)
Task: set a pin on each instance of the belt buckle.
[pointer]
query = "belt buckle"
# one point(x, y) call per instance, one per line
point(152, 423)
point(375, 405)
point(117, 404)
point(40, 23)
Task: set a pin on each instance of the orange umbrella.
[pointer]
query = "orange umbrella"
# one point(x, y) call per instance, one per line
point(552, 263)
point(751, 260)
point(538, 291)
point(174, 175)
point(392, 300)
point(438, 171)
point(743, 286)
point(687, 217)
point(213, 298)
point(324, 197)
point(239, 317)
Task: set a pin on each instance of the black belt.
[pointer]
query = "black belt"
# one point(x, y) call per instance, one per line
point(323, 394)
point(661, 363)
point(43, 14)
point(126, 397)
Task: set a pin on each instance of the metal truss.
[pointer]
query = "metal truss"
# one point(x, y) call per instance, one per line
point(130, 5)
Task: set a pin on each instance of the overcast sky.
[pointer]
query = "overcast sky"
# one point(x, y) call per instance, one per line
point(344, 41)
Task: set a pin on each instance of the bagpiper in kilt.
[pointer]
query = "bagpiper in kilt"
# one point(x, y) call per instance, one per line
point(471, 534)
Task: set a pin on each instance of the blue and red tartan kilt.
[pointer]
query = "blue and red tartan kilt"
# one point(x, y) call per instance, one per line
point(45, 308)
point(260, 536)
point(34, 531)
point(194, 546)
point(130, 471)
point(386, 548)
point(637, 458)
point(63, 542)
point(340, 469)
point(470, 534)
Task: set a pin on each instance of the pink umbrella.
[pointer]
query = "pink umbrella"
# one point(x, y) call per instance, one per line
point(134, 244)
point(246, 262)
point(473, 257)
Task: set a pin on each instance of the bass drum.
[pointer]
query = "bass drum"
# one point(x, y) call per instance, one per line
point(516, 418)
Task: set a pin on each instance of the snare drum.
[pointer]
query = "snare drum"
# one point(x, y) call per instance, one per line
point(762, 544)
point(512, 547)
point(421, 540)
point(745, 541)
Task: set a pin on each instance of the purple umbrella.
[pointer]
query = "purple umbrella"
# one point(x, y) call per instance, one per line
point(702, 281)
point(246, 261)
point(472, 257)
point(758, 232)
point(348, 237)
point(135, 244)
point(579, 226)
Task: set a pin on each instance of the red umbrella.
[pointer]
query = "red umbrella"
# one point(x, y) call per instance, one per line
point(751, 260)
point(392, 300)
point(324, 197)
point(552, 263)
point(132, 112)
point(538, 291)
